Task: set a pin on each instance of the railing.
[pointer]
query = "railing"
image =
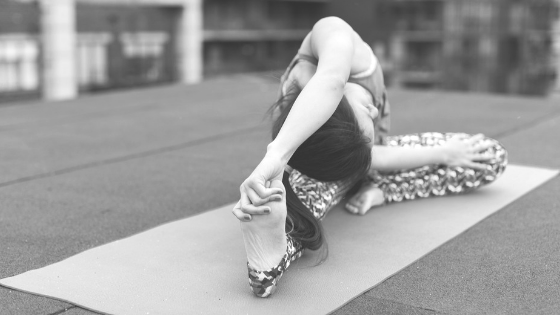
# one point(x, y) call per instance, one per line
point(478, 45)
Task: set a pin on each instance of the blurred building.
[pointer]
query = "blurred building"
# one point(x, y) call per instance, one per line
point(504, 46)
point(19, 50)
point(556, 50)
point(255, 35)
point(60, 48)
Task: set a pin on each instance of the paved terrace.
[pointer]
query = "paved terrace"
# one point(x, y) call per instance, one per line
point(79, 174)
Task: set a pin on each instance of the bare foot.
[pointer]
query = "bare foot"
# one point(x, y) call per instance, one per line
point(367, 197)
point(265, 236)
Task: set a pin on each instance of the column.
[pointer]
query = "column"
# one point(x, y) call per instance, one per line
point(189, 42)
point(556, 47)
point(58, 24)
point(398, 58)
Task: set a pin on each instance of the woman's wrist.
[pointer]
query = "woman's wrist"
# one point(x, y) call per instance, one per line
point(279, 152)
point(442, 155)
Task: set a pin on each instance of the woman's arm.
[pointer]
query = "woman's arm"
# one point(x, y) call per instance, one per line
point(385, 158)
point(333, 44)
point(455, 152)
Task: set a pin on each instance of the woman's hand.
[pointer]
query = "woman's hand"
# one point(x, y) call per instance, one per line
point(466, 152)
point(255, 190)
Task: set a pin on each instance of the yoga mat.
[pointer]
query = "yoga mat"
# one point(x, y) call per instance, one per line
point(198, 265)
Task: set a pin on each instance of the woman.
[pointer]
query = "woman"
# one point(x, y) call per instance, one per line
point(329, 131)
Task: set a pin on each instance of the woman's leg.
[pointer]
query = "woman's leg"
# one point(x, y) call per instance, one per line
point(318, 198)
point(429, 180)
point(269, 250)
point(438, 180)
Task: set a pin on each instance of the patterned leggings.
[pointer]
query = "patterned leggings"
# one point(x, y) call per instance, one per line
point(421, 182)
point(436, 180)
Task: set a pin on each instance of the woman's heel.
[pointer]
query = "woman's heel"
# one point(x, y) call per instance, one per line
point(263, 283)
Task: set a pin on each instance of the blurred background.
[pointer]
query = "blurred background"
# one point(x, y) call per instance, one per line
point(59, 49)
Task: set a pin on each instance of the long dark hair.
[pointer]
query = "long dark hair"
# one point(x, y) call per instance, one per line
point(337, 152)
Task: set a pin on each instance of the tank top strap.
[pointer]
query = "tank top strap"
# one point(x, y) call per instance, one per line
point(372, 66)
point(297, 58)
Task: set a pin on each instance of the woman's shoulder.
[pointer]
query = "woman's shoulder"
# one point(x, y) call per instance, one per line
point(363, 56)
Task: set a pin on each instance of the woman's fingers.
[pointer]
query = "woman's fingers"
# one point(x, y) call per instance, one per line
point(476, 138)
point(243, 202)
point(483, 146)
point(241, 216)
point(256, 200)
point(260, 195)
point(477, 166)
point(251, 203)
point(488, 144)
point(252, 209)
point(277, 196)
point(482, 157)
point(351, 208)
point(245, 212)
point(249, 196)
point(237, 212)
point(479, 144)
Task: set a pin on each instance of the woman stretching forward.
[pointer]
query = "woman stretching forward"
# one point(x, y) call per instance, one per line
point(330, 141)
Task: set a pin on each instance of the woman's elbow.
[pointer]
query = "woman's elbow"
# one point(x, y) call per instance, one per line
point(331, 22)
point(333, 81)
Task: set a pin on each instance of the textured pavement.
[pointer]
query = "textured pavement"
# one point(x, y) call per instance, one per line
point(82, 173)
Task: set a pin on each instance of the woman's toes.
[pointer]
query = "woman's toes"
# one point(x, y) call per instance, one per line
point(352, 208)
point(363, 210)
point(364, 203)
point(355, 200)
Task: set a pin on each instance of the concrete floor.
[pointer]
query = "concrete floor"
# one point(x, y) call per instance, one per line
point(82, 173)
